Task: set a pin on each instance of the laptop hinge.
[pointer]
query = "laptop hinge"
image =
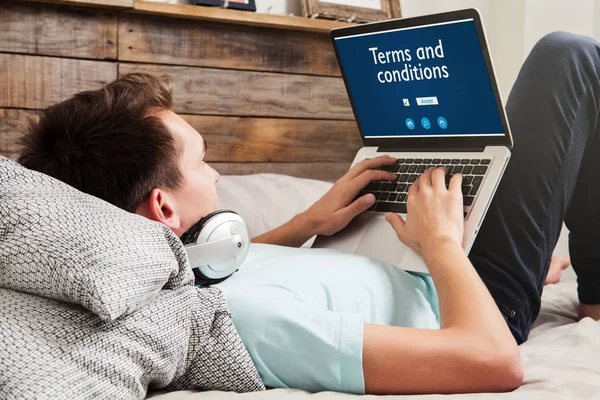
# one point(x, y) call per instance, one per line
point(430, 149)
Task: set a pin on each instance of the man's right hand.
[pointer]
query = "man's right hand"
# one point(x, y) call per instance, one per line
point(434, 213)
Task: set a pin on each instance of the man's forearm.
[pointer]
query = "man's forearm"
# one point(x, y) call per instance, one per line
point(292, 234)
point(473, 351)
point(465, 302)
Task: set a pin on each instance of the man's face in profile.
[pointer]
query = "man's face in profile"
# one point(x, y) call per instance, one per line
point(197, 196)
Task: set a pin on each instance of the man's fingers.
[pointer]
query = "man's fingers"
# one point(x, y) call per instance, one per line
point(414, 188)
point(369, 163)
point(357, 206)
point(438, 178)
point(370, 175)
point(455, 183)
point(398, 224)
point(425, 179)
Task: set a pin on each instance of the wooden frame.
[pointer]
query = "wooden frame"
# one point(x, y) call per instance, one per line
point(247, 5)
point(322, 9)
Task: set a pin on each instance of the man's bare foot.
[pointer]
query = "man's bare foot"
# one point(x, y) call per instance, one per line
point(557, 265)
point(589, 310)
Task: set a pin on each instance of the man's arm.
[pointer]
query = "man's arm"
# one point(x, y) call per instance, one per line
point(293, 233)
point(332, 212)
point(474, 351)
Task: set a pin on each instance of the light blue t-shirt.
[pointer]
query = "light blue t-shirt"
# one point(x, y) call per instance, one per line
point(301, 311)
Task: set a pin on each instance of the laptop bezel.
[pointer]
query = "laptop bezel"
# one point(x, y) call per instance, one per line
point(424, 142)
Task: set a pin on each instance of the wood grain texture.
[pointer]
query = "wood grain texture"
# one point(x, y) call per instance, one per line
point(110, 4)
point(245, 93)
point(37, 82)
point(322, 171)
point(340, 11)
point(239, 139)
point(12, 127)
point(48, 30)
point(236, 16)
point(395, 9)
point(154, 39)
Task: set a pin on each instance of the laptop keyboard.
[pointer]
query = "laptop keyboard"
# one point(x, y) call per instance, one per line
point(391, 195)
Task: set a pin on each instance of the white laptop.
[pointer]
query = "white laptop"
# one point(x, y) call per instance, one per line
point(422, 90)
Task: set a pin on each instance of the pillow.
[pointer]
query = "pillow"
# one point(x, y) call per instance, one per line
point(60, 243)
point(266, 201)
point(182, 339)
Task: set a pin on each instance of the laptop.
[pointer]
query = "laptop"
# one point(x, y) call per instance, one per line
point(423, 90)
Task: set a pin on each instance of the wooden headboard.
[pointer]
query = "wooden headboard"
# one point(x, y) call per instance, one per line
point(265, 91)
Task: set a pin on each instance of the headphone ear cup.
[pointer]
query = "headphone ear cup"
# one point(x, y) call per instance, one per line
point(202, 280)
point(191, 235)
point(221, 243)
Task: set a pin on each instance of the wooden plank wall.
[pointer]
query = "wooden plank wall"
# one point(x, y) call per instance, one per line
point(266, 100)
point(47, 54)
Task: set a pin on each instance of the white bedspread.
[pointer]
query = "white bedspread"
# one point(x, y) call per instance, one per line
point(561, 357)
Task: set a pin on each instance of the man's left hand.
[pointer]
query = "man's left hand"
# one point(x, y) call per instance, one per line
point(332, 212)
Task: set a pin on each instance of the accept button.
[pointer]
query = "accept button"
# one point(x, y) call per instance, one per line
point(427, 101)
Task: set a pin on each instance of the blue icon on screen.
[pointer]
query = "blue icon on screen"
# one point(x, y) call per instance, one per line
point(410, 124)
point(442, 122)
point(425, 122)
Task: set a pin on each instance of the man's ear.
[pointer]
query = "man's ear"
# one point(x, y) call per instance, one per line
point(159, 206)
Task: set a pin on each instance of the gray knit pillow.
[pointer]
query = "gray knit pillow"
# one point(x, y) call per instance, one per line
point(182, 339)
point(60, 243)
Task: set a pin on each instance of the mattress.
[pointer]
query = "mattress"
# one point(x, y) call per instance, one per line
point(561, 358)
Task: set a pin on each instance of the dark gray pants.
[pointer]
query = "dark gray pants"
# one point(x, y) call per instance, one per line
point(553, 176)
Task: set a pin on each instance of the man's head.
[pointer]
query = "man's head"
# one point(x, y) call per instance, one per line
point(123, 144)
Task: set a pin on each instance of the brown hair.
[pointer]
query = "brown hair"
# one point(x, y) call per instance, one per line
point(107, 142)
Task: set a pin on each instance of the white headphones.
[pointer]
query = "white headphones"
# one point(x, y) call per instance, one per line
point(216, 246)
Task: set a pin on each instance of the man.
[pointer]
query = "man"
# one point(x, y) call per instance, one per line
point(343, 322)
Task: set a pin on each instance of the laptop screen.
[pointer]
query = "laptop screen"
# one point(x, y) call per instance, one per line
point(424, 81)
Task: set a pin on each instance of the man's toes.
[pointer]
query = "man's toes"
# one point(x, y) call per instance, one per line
point(565, 262)
point(557, 265)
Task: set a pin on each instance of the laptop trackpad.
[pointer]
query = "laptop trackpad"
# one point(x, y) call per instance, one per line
point(380, 241)
point(346, 240)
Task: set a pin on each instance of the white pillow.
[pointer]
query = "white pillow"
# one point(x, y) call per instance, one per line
point(266, 201)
